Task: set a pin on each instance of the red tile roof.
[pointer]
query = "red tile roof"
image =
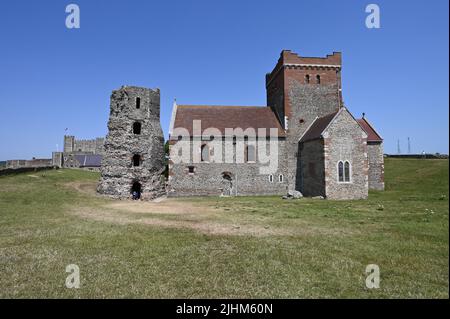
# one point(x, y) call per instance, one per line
point(372, 135)
point(222, 117)
point(317, 127)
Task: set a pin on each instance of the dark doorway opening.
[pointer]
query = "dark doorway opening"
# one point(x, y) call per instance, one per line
point(227, 184)
point(136, 190)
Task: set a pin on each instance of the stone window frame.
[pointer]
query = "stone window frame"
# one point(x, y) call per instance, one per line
point(270, 178)
point(318, 79)
point(189, 168)
point(246, 153)
point(280, 178)
point(201, 153)
point(350, 171)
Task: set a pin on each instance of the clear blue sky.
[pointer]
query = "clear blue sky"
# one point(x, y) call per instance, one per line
point(215, 52)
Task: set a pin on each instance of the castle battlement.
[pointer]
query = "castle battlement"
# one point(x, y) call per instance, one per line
point(289, 59)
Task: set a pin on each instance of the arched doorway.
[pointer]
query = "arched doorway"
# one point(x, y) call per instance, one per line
point(227, 184)
point(136, 190)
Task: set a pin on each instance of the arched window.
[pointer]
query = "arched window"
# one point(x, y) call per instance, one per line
point(281, 178)
point(136, 128)
point(318, 79)
point(205, 153)
point(344, 171)
point(347, 171)
point(138, 102)
point(136, 160)
point(340, 171)
point(250, 154)
point(307, 77)
point(271, 178)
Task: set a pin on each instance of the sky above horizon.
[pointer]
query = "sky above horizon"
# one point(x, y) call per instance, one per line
point(216, 52)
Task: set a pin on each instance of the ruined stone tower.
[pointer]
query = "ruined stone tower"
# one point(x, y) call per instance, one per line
point(134, 147)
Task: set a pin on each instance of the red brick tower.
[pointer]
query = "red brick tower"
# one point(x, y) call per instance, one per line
point(299, 89)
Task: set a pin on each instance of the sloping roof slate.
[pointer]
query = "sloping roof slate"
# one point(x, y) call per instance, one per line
point(222, 117)
point(90, 160)
point(372, 135)
point(317, 127)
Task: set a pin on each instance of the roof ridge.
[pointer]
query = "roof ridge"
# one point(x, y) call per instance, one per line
point(221, 106)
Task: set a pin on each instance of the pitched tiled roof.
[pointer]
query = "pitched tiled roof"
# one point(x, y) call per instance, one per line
point(372, 135)
point(89, 160)
point(317, 127)
point(222, 117)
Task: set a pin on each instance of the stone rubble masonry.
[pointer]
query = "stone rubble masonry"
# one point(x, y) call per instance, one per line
point(57, 159)
point(118, 173)
point(307, 103)
point(207, 178)
point(345, 140)
point(311, 177)
point(376, 165)
point(299, 90)
point(35, 162)
point(298, 102)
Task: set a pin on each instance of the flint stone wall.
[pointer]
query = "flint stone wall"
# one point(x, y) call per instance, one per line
point(207, 178)
point(118, 174)
point(311, 165)
point(376, 166)
point(307, 101)
point(345, 140)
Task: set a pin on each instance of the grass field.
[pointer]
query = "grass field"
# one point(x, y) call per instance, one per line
point(255, 247)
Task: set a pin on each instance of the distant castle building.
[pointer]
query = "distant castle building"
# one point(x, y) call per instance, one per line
point(80, 153)
point(323, 150)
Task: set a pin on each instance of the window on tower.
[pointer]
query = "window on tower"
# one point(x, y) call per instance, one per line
point(307, 78)
point(136, 128)
point(136, 160)
point(138, 102)
point(318, 79)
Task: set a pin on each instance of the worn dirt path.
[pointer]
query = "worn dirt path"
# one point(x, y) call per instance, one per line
point(173, 213)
